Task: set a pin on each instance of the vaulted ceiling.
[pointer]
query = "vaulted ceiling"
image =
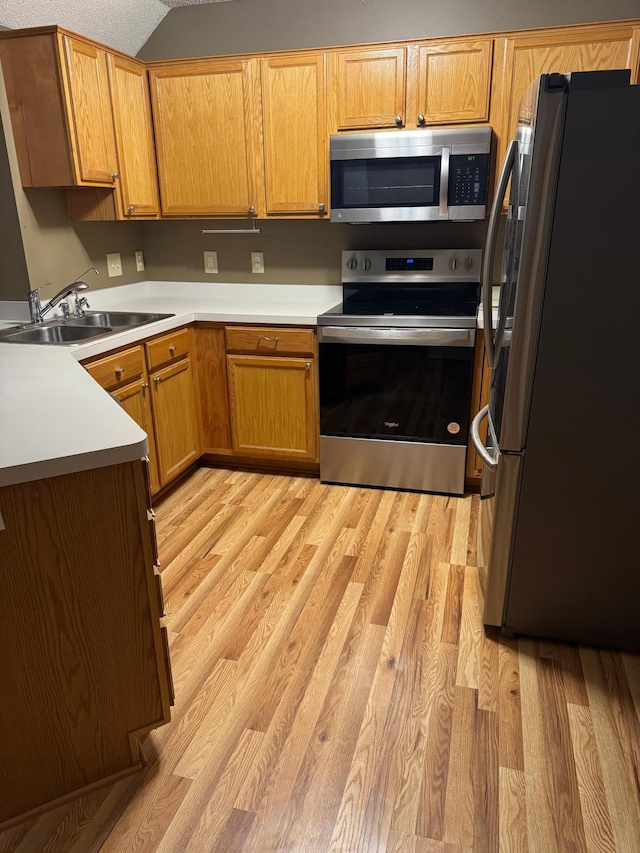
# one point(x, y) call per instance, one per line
point(123, 24)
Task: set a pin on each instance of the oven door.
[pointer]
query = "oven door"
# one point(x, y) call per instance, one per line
point(396, 384)
point(394, 407)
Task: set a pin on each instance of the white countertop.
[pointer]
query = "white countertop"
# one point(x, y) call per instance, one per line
point(55, 419)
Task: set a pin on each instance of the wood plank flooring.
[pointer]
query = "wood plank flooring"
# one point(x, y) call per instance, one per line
point(336, 692)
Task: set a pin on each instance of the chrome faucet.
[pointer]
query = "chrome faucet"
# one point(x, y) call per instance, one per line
point(38, 311)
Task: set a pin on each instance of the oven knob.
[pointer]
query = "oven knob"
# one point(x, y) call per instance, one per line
point(366, 264)
point(468, 264)
point(453, 263)
point(352, 263)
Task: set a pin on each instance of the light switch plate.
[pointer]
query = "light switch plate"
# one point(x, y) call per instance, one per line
point(114, 264)
point(139, 261)
point(211, 262)
point(257, 261)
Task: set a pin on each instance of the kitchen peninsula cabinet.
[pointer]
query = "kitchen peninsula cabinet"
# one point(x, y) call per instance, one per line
point(135, 399)
point(208, 136)
point(85, 668)
point(295, 135)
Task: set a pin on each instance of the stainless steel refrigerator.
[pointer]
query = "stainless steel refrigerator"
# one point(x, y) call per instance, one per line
point(561, 513)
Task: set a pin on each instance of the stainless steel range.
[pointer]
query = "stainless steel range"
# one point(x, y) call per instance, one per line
point(396, 370)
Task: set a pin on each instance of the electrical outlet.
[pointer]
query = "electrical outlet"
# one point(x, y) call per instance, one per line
point(139, 261)
point(211, 262)
point(257, 261)
point(114, 264)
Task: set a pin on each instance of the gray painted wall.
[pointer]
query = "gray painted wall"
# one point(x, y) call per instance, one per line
point(264, 25)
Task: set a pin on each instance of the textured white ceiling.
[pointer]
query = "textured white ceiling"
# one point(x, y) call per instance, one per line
point(123, 24)
point(192, 2)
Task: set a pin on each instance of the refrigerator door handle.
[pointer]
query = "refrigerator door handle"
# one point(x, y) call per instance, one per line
point(483, 453)
point(490, 250)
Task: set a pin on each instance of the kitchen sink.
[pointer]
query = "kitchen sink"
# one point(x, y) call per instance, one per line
point(92, 324)
point(115, 319)
point(55, 334)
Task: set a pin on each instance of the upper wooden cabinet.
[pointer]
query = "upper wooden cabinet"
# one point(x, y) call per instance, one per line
point(449, 82)
point(366, 88)
point(207, 120)
point(87, 88)
point(134, 138)
point(522, 57)
point(295, 136)
point(424, 83)
point(58, 93)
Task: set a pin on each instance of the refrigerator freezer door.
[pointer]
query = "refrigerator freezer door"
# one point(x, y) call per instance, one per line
point(498, 520)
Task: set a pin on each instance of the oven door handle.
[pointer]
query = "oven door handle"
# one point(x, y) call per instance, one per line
point(397, 337)
point(489, 460)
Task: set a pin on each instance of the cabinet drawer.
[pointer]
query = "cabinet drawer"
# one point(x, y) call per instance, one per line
point(261, 340)
point(168, 348)
point(119, 368)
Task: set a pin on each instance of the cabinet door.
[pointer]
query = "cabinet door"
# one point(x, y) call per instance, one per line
point(213, 389)
point(272, 406)
point(134, 138)
point(207, 121)
point(175, 418)
point(520, 59)
point(449, 82)
point(134, 399)
point(295, 138)
point(91, 119)
point(367, 88)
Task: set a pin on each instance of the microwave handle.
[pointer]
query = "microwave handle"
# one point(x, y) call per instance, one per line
point(444, 181)
point(490, 250)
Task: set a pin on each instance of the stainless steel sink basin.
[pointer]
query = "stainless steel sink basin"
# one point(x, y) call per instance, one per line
point(93, 324)
point(55, 334)
point(116, 319)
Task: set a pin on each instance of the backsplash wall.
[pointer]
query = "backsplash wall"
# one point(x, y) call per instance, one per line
point(295, 252)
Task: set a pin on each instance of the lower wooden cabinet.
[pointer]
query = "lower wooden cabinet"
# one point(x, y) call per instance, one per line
point(273, 411)
point(135, 400)
point(84, 664)
point(175, 417)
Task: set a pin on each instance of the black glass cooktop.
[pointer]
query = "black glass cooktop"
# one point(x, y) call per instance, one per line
point(450, 300)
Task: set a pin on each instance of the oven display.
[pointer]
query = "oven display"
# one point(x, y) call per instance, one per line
point(409, 264)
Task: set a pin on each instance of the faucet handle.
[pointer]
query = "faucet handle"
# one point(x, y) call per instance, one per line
point(38, 289)
point(66, 311)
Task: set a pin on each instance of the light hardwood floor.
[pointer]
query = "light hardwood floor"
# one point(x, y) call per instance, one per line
point(336, 693)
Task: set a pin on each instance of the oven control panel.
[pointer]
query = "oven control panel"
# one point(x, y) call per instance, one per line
point(422, 265)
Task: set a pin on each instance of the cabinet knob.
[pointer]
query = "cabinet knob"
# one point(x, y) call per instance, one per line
point(399, 121)
point(251, 210)
point(115, 176)
point(157, 380)
point(307, 366)
point(321, 207)
point(145, 386)
point(131, 209)
point(119, 372)
point(421, 120)
point(172, 349)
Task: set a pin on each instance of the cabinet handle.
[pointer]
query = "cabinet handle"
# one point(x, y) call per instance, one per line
point(399, 121)
point(172, 349)
point(307, 366)
point(271, 340)
point(251, 210)
point(157, 379)
point(321, 207)
point(115, 176)
point(145, 386)
point(119, 372)
point(131, 208)
point(422, 120)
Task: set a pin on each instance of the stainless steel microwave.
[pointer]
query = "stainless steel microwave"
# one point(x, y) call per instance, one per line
point(411, 175)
